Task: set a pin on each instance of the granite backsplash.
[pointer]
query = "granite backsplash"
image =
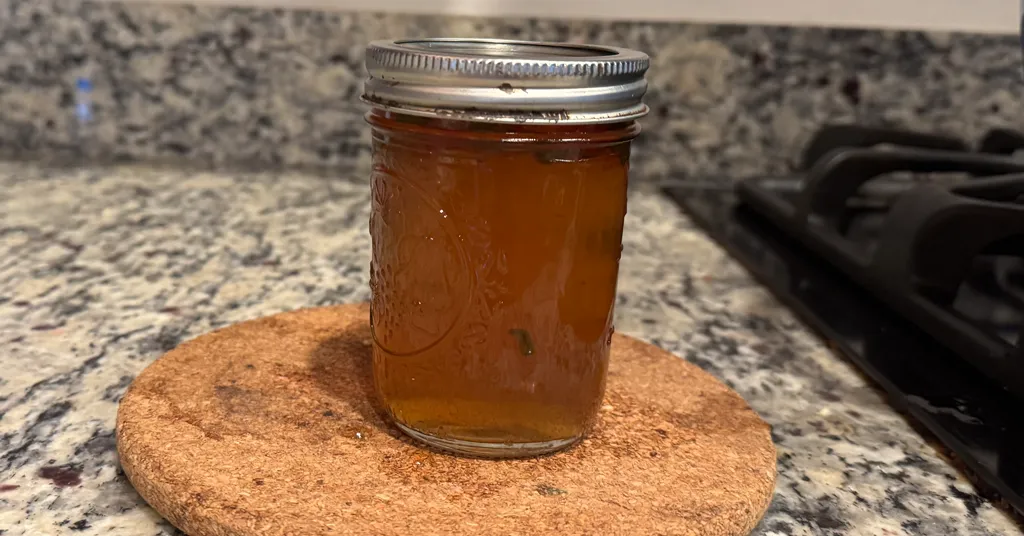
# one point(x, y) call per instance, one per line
point(272, 87)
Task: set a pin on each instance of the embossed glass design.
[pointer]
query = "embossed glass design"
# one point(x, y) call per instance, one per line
point(495, 256)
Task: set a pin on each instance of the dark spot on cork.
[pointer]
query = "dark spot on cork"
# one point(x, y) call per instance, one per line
point(661, 432)
point(549, 491)
point(654, 454)
point(81, 524)
point(64, 476)
point(8, 487)
point(258, 481)
point(250, 366)
point(328, 413)
point(237, 400)
point(228, 391)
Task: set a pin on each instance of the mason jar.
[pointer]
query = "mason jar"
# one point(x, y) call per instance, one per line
point(499, 181)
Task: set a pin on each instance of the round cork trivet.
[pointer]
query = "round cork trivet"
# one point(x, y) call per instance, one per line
point(270, 427)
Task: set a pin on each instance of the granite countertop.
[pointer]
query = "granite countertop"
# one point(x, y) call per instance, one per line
point(102, 269)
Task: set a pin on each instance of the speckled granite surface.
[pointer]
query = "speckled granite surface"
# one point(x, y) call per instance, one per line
point(103, 269)
point(279, 87)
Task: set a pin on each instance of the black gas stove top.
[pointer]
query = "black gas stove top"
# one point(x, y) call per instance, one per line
point(906, 250)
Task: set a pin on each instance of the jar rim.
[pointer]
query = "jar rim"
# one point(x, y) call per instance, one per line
point(507, 81)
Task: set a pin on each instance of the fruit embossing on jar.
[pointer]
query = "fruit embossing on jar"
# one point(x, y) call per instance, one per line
point(493, 278)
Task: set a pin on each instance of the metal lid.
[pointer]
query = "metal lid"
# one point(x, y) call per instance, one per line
point(495, 80)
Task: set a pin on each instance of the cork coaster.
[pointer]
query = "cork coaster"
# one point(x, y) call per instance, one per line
point(269, 427)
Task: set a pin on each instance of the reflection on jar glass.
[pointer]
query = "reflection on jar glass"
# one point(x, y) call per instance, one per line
point(496, 243)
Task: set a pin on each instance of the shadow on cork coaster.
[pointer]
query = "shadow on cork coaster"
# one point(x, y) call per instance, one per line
point(350, 380)
point(271, 427)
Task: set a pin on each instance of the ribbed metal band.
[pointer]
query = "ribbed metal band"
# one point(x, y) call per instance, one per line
point(507, 81)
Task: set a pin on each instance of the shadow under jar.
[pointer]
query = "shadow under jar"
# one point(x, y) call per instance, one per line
point(499, 181)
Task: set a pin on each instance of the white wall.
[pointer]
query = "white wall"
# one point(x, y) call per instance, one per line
point(988, 16)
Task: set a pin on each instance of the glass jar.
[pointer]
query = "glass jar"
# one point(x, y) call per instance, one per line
point(497, 229)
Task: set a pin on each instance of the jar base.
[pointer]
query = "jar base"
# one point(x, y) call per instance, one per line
point(488, 450)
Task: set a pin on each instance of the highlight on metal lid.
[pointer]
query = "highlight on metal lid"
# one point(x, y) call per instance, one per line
point(503, 81)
